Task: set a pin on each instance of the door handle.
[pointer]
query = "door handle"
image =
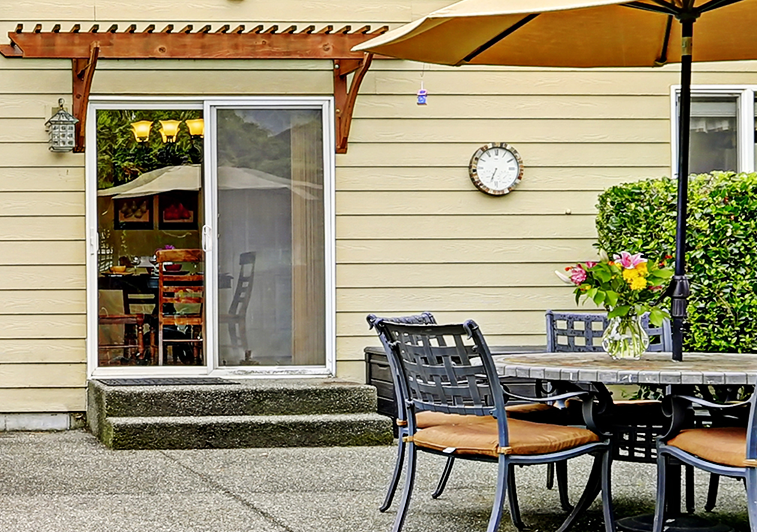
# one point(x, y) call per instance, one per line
point(206, 238)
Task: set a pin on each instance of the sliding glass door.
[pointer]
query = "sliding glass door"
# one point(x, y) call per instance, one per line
point(245, 188)
point(269, 163)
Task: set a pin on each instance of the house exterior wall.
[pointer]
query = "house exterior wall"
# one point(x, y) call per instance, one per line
point(412, 232)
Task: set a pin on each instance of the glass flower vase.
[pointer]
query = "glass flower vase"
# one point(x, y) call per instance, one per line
point(625, 338)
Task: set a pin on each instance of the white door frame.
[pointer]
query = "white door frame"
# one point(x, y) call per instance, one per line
point(210, 235)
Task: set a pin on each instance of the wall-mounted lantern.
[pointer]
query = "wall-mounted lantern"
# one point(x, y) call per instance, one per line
point(196, 127)
point(61, 129)
point(169, 129)
point(141, 130)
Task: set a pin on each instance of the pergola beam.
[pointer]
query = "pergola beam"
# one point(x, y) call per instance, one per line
point(86, 48)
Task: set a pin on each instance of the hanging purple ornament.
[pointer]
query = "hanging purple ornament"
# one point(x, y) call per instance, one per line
point(422, 95)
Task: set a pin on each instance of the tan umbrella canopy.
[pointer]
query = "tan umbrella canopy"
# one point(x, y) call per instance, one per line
point(571, 33)
point(589, 33)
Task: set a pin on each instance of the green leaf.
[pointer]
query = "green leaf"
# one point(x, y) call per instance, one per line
point(621, 310)
point(599, 297)
point(656, 317)
point(611, 298)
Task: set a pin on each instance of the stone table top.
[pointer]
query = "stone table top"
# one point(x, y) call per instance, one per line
point(653, 368)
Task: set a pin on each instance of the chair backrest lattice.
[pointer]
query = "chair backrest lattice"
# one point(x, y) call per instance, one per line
point(571, 332)
point(243, 289)
point(447, 368)
point(424, 318)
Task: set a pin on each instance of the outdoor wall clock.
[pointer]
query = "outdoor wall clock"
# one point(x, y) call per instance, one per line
point(496, 168)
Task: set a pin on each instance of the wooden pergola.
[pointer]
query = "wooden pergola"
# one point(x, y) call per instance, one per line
point(85, 48)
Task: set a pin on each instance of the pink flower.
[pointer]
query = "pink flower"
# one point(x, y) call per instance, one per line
point(590, 264)
point(577, 274)
point(627, 260)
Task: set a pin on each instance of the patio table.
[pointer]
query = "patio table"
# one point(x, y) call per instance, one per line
point(598, 369)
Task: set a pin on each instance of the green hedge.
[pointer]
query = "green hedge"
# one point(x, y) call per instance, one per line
point(721, 249)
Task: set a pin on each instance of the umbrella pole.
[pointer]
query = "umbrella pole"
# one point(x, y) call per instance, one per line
point(680, 289)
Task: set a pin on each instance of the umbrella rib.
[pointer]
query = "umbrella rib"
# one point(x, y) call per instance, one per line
point(663, 58)
point(481, 49)
point(715, 4)
point(660, 7)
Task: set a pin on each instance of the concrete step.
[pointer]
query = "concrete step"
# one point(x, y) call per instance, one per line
point(251, 397)
point(217, 432)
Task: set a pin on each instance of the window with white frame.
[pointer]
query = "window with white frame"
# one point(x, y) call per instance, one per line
point(722, 130)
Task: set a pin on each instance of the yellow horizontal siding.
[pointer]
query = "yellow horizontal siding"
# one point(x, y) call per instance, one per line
point(447, 275)
point(462, 251)
point(29, 228)
point(41, 351)
point(406, 178)
point(43, 399)
point(433, 202)
point(42, 277)
point(43, 375)
point(42, 253)
point(44, 326)
point(453, 153)
point(528, 107)
point(47, 302)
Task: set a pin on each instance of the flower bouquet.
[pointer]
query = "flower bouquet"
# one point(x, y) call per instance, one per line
point(627, 287)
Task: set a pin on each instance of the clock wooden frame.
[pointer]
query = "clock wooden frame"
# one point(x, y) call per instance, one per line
point(473, 172)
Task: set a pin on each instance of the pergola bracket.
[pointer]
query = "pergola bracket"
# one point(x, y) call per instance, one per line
point(344, 97)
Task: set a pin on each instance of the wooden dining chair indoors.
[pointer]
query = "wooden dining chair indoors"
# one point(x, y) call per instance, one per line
point(722, 451)
point(138, 326)
point(181, 304)
point(448, 369)
point(538, 412)
point(236, 318)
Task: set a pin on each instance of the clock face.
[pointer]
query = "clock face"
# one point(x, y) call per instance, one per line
point(496, 168)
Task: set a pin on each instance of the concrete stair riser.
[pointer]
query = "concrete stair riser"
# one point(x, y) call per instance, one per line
point(220, 432)
point(281, 398)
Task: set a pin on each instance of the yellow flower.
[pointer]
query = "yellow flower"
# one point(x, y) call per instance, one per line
point(630, 274)
point(642, 268)
point(638, 283)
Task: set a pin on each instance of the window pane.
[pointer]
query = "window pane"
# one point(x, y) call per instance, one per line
point(149, 197)
point(271, 237)
point(714, 141)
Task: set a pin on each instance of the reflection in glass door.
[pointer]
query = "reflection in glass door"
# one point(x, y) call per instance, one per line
point(271, 264)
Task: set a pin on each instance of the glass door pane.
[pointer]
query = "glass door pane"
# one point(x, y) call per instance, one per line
point(271, 265)
point(149, 202)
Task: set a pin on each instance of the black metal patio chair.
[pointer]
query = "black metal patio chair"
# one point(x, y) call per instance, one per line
point(538, 412)
point(727, 451)
point(449, 369)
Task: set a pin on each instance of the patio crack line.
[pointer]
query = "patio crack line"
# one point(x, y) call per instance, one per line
point(230, 493)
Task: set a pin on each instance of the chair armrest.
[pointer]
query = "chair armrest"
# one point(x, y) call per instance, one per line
point(710, 404)
point(550, 399)
point(677, 407)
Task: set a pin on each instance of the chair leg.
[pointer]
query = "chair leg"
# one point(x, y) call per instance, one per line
point(444, 478)
point(512, 499)
point(561, 469)
point(659, 511)
point(751, 496)
point(550, 476)
point(409, 481)
point(396, 475)
point(712, 492)
point(499, 494)
point(689, 474)
point(609, 516)
point(592, 489)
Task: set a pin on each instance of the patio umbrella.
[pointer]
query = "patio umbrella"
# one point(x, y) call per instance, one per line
point(588, 33)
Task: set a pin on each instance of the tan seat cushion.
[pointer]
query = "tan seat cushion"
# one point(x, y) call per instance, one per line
point(482, 438)
point(537, 412)
point(726, 445)
point(429, 419)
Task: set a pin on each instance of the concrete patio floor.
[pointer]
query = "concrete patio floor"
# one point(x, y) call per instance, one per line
point(69, 482)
